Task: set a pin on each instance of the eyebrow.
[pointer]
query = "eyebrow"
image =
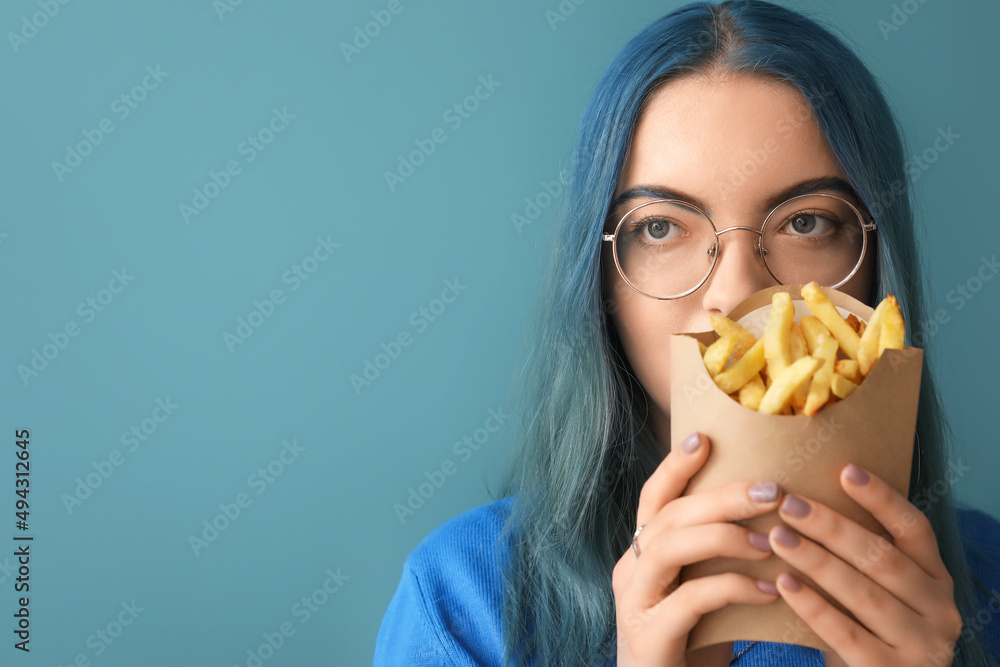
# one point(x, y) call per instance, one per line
point(828, 183)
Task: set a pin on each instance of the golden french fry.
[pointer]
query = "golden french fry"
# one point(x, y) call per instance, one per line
point(828, 314)
point(797, 343)
point(868, 352)
point(718, 353)
point(849, 369)
point(726, 327)
point(813, 330)
point(893, 327)
point(855, 323)
point(819, 388)
point(861, 328)
point(741, 372)
point(777, 332)
point(702, 348)
point(752, 392)
point(841, 386)
point(797, 346)
point(827, 350)
point(785, 382)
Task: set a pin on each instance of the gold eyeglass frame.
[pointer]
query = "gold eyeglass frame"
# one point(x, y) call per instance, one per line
point(867, 225)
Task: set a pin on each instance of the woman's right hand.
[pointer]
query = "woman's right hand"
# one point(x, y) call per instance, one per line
point(654, 612)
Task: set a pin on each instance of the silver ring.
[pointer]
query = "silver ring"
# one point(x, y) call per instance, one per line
point(635, 546)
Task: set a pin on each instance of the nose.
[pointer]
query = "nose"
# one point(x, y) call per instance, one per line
point(739, 272)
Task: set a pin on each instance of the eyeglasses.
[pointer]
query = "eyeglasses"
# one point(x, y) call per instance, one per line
point(667, 248)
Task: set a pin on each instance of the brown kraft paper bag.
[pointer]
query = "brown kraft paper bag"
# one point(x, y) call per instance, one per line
point(873, 428)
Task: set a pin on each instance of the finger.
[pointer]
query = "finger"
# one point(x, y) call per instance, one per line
point(871, 555)
point(845, 636)
point(673, 617)
point(879, 610)
point(661, 558)
point(734, 501)
point(911, 531)
point(670, 477)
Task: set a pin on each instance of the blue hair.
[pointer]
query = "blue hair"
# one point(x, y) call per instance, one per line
point(583, 448)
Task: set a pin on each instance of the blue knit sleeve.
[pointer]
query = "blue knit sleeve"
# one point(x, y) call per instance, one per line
point(446, 609)
point(411, 632)
point(981, 538)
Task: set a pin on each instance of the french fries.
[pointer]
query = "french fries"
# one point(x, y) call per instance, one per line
point(785, 382)
point(717, 354)
point(807, 364)
point(737, 375)
point(726, 327)
point(819, 389)
point(828, 314)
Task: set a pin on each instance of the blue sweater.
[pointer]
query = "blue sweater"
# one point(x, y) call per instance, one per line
point(446, 610)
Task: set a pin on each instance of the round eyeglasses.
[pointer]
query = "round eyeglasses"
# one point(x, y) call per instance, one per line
point(667, 248)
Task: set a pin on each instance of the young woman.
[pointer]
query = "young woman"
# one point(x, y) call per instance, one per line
point(717, 124)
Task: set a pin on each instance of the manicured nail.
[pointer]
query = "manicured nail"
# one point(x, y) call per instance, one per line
point(795, 506)
point(785, 537)
point(789, 582)
point(767, 587)
point(691, 442)
point(764, 492)
point(856, 475)
point(760, 541)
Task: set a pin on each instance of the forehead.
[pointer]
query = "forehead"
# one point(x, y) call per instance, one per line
point(730, 140)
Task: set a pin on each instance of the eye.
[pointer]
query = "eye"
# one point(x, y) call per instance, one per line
point(657, 230)
point(810, 224)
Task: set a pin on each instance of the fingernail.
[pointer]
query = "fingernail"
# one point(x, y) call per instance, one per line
point(691, 442)
point(856, 475)
point(760, 541)
point(785, 537)
point(795, 506)
point(789, 582)
point(764, 492)
point(767, 587)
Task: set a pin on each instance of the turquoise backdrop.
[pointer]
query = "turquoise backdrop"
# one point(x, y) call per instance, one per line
point(200, 247)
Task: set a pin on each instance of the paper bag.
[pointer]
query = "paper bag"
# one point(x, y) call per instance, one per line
point(873, 428)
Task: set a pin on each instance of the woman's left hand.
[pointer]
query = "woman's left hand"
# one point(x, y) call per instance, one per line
point(902, 593)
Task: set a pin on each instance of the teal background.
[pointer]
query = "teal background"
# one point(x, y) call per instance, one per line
point(161, 337)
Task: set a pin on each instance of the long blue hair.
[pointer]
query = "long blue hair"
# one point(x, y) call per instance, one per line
point(583, 448)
